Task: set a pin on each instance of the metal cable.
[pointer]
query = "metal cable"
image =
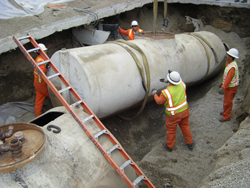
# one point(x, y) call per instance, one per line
point(89, 12)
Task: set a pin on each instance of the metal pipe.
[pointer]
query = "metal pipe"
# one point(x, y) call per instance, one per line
point(15, 147)
point(10, 132)
point(19, 135)
point(109, 81)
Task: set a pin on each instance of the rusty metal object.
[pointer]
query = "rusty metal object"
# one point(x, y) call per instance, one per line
point(8, 133)
point(19, 135)
point(21, 152)
point(4, 148)
point(16, 147)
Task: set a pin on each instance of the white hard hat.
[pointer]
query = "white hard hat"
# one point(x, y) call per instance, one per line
point(134, 23)
point(174, 78)
point(42, 46)
point(233, 52)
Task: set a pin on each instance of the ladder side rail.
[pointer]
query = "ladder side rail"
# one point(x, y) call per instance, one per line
point(35, 44)
point(30, 59)
point(101, 149)
point(134, 166)
point(121, 150)
point(45, 57)
point(34, 64)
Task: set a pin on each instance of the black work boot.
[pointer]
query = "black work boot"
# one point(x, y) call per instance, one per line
point(223, 120)
point(191, 146)
point(236, 1)
point(244, 1)
point(167, 148)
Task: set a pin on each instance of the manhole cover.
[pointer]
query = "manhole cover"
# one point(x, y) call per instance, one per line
point(32, 146)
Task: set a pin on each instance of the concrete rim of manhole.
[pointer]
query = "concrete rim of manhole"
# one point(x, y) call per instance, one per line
point(31, 141)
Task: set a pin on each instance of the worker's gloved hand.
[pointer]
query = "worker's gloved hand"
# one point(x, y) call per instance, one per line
point(164, 80)
point(47, 66)
point(221, 91)
point(154, 91)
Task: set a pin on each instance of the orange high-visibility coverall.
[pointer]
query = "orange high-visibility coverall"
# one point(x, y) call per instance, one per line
point(229, 93)
point(173, 120)
point(40, 87)
point(129, 33)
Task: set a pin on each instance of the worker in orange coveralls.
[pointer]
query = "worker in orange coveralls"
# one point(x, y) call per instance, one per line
point(130, 32)
point(176, 108)
point(39, 84)
point(230, 83)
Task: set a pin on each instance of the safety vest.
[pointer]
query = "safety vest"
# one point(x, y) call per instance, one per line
point(176, 99)
point(131, 33)
point(37, 77)
point(235, 79)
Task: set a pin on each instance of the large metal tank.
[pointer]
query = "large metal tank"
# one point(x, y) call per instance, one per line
point(109, 81)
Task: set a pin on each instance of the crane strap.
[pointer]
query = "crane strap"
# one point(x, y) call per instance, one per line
point(145, 76)
point(155, 14)
point(204, 42)
point(165, 9)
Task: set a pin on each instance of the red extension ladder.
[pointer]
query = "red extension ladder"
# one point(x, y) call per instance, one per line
point(103, 129)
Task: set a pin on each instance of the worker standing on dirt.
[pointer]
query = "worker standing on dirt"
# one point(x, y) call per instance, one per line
point(230, 83)
point(176, 108)
point(131, 32)
point(39, 84)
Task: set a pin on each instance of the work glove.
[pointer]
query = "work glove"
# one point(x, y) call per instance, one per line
point(47, 66)
point(221, 91)
point(163, 80)
point(154, 91)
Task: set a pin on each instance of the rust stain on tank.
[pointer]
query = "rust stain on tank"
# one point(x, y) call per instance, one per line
point(157, 35)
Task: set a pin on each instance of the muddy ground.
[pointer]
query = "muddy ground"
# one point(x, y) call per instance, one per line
point(142, 137)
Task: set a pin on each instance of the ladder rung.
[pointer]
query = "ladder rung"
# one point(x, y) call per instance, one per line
point(75, 104)
point(41, 63)
point(138, 180)
point(65, 89)
point(100, 133)
point(25, 37)
point(54, 75)
point(33, 49)
point(128, 162)
point(88, 118)
point(112, 149)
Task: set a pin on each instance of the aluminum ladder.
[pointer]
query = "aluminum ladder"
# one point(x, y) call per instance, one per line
point(103, 130)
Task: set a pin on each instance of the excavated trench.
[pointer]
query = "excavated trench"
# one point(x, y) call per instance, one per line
point(143, 135)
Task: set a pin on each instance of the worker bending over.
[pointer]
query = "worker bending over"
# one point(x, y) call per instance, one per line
point(230, 83)
point(131, 32)
point(176, 108)
point(39, 84)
